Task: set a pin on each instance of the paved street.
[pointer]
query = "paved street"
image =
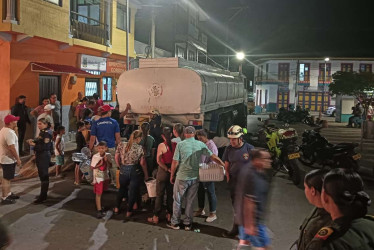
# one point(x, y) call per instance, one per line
point(67, 220)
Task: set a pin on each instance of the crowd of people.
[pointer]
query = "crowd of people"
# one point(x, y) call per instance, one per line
point(173, 154)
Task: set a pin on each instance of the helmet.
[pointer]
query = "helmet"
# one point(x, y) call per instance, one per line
point(235, 132)
point(155, 112)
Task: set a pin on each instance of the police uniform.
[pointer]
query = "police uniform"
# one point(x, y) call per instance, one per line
point(318, 218)
point(43, 148)
point(344, 234)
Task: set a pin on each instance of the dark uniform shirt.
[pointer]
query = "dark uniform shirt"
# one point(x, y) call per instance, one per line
point(43, 142)
point(314, 222)
point(344, 234)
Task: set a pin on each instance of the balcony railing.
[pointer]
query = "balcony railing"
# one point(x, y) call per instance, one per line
point(89, 29)
point(11, 10)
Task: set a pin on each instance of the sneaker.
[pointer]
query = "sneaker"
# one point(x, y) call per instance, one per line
point(188, 227)
point(172, 226)
point(100, 214)
point(211, 218)
point(7, 201)
point(13, 196)
point(199, 213)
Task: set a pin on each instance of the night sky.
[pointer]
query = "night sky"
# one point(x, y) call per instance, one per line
point(305, 27)
point(276, 28)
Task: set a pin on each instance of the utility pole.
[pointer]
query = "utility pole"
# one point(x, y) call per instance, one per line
point(153, 33)
point(127, 34)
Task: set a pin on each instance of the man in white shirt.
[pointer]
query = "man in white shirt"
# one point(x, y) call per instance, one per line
point(9, 157)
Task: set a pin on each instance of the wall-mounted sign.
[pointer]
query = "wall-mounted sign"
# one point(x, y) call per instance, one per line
point(92, 63)
point(115, 66)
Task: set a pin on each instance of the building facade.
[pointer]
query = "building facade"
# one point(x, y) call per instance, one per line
point(300, 81)
point(62, 47)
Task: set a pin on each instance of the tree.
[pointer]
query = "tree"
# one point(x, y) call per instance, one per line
point(357, 84)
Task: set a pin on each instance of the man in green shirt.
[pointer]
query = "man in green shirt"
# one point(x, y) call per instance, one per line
point(187, 155)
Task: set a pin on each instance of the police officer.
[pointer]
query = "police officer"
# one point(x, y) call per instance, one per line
point(344, 199)
point(43, 147)
point(319, 217)
point(236, 156)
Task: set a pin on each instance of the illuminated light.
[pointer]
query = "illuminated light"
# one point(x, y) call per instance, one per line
point(240, 55)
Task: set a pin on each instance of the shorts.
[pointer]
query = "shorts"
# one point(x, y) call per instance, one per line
point(60, 160)
point(8, 171)
point(99, 188)
point(260, 240)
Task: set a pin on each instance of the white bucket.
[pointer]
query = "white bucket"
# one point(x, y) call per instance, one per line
point(151, 187)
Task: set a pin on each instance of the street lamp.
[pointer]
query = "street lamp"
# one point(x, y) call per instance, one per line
point(240, 55)
point(323, 86)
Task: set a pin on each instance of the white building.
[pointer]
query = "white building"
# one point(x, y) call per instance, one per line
point(281, 82)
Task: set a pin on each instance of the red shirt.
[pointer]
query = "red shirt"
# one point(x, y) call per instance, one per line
point(167, 158)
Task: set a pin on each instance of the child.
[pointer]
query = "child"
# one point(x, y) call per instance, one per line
point(87, 131)
point(100, 164)
point(59, 150)
point(81, 143)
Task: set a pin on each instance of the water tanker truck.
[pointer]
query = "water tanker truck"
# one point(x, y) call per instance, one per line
point(183, 92)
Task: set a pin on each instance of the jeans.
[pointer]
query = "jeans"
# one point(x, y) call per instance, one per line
point(212, 198)
point(186, 189)
point(129, 186)
point(163, 184)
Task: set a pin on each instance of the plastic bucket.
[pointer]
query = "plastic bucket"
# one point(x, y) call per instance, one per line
point(151, 187)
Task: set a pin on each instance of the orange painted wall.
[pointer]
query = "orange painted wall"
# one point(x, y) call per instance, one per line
point(4, 75)
point(23, 81)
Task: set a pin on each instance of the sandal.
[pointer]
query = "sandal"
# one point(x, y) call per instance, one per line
point(76, 183)
point(153, 220)
point(128, 214)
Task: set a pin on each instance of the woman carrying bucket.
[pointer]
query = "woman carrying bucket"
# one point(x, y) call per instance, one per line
point(165, 152)
point(128, 156)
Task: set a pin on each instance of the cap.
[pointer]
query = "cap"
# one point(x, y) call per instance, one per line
point(106, 108)
point(10, 118)
point(189, 130)
point(49, 107)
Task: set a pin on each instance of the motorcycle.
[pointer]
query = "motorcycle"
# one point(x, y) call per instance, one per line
point(282, 146)
point(316, 149)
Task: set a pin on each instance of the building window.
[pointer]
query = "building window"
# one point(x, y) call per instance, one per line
point(321, 76)
point(304, 72)
point(284, 72)
point(107, 89)
point(365, 67)
point(57, 2)
point(122, 17)
point(267, 71)
point(89, 11)
point(180, 52)
point(191, 55)
point(92, 86)
point(347, 67)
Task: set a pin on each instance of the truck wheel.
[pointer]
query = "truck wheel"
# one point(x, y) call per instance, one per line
point(221, 131)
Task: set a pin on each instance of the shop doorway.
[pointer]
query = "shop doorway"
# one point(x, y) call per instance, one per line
point(49, 85)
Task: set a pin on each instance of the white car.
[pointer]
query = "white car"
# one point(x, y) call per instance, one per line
point(331, 111)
